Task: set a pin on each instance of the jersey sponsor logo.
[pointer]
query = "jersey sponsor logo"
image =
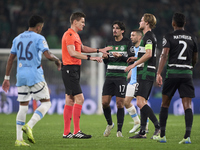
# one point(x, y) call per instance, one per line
point(45, 44)
point(164, 41)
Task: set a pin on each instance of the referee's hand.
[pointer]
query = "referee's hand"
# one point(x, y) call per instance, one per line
point(98, 59)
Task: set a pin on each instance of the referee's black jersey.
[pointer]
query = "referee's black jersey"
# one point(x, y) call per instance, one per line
point(147, 70)
point(182, 45)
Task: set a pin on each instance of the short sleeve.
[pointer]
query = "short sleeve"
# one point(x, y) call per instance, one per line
point(166, 42)
point(42, 44)
point(70, 39)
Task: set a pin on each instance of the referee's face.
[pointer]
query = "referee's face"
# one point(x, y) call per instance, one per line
point(80, 24)
point(117, 31)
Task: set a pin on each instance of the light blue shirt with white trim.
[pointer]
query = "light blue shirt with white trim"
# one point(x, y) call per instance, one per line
point(134, 70)
point(29, 47)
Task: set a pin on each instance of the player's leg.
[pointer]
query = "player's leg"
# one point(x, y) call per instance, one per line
point(108, 91)
point(23, 98)
point(120, 115)
point(40, 92)
point(107, 113)
point(186, 91)
point(130, 91)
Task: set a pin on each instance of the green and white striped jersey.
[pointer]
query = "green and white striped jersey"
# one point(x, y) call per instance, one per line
point(147, 70)
point(116, 66)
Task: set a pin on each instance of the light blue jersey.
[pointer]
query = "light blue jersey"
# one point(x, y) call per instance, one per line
point(134, 70)
point(29, 47)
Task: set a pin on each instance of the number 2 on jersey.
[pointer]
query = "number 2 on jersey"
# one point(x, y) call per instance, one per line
point(180, 56)
point(28, 54)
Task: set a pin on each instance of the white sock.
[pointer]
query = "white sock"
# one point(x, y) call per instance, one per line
point(39, 113)
point(20, 121)
point(132, 112)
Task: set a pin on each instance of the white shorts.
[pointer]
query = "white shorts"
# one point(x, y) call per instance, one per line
point(38, 91)
point(130, 90)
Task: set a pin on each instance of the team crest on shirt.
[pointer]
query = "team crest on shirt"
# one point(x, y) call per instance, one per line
point(20, 65)
point(122, 48)
point(116, 48)
point(164, 41)
point(132, 49)
point(45, 44)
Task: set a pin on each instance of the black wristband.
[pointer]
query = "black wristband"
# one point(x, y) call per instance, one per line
point(88, 57)
point(97, 50)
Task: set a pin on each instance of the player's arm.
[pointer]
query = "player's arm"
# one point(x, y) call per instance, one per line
point(86, 49)
point(52, 57)
point(194, 58)
point(129, 74)
point(6, 82)
point(74, 53)
point(162, 62)
point(143, 59)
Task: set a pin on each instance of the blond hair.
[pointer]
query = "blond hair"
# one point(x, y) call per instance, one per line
point(151, 19)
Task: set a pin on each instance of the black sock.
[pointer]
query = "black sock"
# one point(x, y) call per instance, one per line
point(107, 114)
point(149, 112)
point(120, 118)
point(163, 120)
point(188, 122)
point(143, 117)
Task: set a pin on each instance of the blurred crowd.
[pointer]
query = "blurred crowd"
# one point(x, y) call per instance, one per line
point(99, 18)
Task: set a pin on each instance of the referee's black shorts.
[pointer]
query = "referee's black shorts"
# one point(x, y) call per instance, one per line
point(71, 79)
point(184, 85)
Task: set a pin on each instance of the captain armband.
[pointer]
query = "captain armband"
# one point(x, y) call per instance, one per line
point(148, 46)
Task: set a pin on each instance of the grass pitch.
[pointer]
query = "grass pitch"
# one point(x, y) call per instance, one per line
point(48, 134)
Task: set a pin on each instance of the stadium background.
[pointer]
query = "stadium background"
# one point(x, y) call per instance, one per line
point(99, 17)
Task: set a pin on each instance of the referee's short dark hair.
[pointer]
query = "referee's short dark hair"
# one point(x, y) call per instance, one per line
point(120, 24)
point(179, 19)
point(34, 20)
point(76, 16)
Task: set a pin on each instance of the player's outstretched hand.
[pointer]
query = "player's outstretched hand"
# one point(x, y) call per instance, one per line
point(105, 56)
point(129, 67)
point(58, 64)
point(98, 59)
point(6, 85)
point(131, 59)
point(104, 50)
point(115, 54)
point(159, 80)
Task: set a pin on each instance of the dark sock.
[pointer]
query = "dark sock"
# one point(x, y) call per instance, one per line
point(151, 116)
point(143, 117)
point(107, 114)
point(120, 118)
point(163, 120)
point(188, 122)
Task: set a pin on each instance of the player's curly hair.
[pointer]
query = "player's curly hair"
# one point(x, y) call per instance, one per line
point(151, 19)
point(179, 19)
point(34, 20)
point(120, 24)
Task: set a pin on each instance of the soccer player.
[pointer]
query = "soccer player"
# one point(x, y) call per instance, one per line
point(116, 79)
point(180, 53)
point(28, 47)
point(71, 56)
point(146, 68)
point(136, 36)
